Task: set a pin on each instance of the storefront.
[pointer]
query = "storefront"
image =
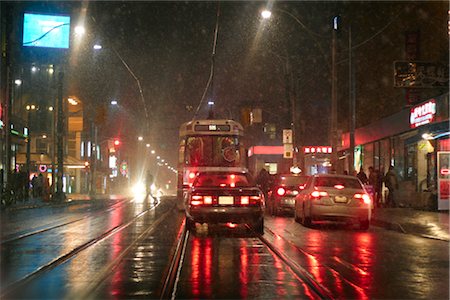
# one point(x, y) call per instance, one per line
point(411, 141)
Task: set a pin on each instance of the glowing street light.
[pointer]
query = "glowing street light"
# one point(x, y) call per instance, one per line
point(113, 102)
point(266, 14)
point(140, 138)
point(80, 30)
point(97, 47)
point(18, 82)
point(147, 145)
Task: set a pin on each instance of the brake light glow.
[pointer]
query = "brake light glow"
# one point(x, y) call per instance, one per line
point(318, 194)
point(364, 197)
point(245, 200)
point(302, 186)
point(281, 191)
point(339, 186)
point(207, 199)
point(196, 202)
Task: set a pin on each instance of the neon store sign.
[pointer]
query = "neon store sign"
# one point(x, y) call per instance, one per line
point(317, 149)
point(422, 114)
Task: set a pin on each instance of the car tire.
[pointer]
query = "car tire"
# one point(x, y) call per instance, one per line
point(306, 221)
point(190, 224)
point(276, 211)
point(364, 224)
point(296, 218)
point(258, 226)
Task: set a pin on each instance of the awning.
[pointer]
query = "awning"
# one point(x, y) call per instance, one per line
point(44, 159)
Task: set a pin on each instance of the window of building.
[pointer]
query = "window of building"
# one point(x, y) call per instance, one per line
point(410, 162)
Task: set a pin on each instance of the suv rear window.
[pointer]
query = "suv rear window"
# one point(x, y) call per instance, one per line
point(222, 180)
point(349, 183)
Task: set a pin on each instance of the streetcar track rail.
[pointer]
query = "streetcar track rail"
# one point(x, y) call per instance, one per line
point(300, 273)
point(32, 232)
point(107, 270)
point(65, 257)
point(169, 289)
point(331, 269)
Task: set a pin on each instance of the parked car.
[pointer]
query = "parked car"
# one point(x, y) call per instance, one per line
point(281, 196)
point(225, 197)
point(334, 198)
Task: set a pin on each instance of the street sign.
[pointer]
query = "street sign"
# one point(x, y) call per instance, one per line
point(288, 151)
point(414, 74)
point(287, 136)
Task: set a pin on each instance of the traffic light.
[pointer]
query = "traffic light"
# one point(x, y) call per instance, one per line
point(86, 165)
point(116, 142)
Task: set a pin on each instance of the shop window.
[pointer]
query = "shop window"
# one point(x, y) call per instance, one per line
point(410, 162)
point(271, 168)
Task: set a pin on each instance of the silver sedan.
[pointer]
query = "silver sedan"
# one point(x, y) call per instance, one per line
point(330, 197)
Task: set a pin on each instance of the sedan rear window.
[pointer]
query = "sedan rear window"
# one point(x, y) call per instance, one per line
point(222, 180)
point(349, 183)
point(287, 180)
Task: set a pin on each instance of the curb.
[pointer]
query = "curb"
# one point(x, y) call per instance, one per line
point(399, 228)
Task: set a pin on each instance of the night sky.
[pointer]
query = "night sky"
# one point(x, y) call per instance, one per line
point(168, 45)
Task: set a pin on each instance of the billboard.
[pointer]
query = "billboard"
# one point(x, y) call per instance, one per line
point(415, 74)
point(46, 31)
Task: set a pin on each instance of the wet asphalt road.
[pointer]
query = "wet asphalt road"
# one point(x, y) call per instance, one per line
point(130, 262)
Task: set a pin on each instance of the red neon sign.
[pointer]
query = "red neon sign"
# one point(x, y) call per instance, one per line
point(422, 114)
point(317, 149)
point(445, 171)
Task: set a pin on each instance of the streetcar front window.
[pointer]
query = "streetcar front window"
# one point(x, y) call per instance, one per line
point(213, 151)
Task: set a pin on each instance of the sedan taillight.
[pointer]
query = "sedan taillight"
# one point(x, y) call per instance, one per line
point(281, 191)
point(318, 194)
point(363, 197)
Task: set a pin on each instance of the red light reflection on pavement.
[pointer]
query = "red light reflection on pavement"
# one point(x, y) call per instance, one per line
point(201, 257)
point(244, 273)
point(117, 247)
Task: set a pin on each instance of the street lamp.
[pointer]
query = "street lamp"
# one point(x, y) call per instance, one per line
point(29, 108)
point(266, 14)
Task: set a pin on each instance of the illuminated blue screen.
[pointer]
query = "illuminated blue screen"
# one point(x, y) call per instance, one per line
point(46, 31)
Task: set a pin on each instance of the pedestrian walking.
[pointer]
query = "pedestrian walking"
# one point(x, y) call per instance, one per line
point(39, 185)
point(34, 181)
point(362, 176)
point(263, 180)
point(376, 181)
point(46, 190)
point(391, 182)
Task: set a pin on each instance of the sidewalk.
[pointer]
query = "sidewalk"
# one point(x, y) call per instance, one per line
point(70, 199)
point(429, 224)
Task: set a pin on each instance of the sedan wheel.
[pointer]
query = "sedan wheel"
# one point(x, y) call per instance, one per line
point(306, 221)
point(258, 226)
point(364, 225)
point(296, 218)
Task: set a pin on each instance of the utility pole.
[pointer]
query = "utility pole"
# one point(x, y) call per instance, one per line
point(352, 103)
point(60, 196)
point(333, 135)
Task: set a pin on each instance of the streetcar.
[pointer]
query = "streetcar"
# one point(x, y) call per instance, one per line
point(208, 145)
